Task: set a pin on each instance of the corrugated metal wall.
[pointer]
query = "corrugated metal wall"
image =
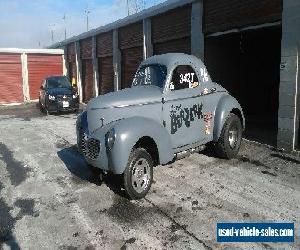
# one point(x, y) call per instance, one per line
point(105, 62)
point(171, 31)
point(87, 68)
point(71, 60)
point(221, 15)
point(131, 46)
point(39, 67)
point(10, 78)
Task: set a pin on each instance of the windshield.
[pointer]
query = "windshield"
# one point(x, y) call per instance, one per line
point(154, 75)
point(58, 82)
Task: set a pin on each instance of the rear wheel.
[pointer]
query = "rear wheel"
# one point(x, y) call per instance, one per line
point(230, 139)
point(138, 174)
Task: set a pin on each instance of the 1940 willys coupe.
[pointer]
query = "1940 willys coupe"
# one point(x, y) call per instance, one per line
point(172, 109)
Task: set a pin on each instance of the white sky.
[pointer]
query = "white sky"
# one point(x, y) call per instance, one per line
point(28, 23)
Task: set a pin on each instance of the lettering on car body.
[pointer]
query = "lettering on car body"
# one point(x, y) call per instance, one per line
point(180, 116)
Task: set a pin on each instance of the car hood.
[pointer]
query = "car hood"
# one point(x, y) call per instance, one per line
point(143, 101)
point(138, 95)
point(60, 91)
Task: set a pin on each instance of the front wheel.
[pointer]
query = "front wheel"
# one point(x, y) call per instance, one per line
point(138, 174)
point(230, 139)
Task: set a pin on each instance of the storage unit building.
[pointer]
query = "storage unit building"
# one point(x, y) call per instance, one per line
point(22, 72)
point(250, 47)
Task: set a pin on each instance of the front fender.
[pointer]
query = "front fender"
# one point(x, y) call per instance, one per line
point(225, 106)
point(128, 131)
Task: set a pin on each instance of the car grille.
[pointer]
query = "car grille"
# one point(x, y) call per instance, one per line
point(92, 148)
point(64, 97)
point(89, 146)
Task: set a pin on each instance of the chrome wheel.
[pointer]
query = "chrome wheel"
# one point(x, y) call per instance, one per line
point(140, 175)
point(233, 136)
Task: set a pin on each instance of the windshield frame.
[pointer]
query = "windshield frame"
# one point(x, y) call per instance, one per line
point(55, 78)
point(149, 65)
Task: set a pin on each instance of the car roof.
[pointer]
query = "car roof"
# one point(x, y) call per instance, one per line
point(171, 59)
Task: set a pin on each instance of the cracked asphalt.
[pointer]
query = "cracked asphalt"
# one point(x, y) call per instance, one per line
point(50, 199)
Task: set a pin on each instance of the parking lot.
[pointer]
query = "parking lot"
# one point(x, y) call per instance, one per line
point(50, 199)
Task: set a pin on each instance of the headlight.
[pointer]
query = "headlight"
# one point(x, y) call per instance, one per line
point(51, 97)
point(75, 95)
point(110, 138)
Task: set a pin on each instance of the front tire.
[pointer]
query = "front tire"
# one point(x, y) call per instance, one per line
point(230, 139)
point(138, 174)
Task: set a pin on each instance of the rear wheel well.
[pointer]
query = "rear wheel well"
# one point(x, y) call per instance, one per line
point(149, 144)
point(238, 113)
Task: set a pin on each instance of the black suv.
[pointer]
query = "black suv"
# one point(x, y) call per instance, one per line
point(57, 94)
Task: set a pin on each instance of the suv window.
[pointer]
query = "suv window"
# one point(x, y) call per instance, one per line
point(184, 76)
point(58, 82)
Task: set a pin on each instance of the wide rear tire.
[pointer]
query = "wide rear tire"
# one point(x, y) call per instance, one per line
point(230, 139)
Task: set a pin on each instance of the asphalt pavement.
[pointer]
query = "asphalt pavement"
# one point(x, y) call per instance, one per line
point(50, 199)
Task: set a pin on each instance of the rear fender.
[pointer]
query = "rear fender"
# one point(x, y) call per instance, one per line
point(226, 105)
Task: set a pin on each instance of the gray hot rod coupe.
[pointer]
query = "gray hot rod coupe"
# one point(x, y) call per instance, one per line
point(172, 109)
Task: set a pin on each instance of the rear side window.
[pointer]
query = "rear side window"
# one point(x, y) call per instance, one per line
point(184, 76)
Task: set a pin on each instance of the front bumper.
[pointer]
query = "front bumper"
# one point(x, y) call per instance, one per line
point(58, 105)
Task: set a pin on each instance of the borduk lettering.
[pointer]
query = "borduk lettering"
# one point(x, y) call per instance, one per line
point(180, 116)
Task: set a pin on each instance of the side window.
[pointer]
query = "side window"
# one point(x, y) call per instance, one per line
point(184, 76)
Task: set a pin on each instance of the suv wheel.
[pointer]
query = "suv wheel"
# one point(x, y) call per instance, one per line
point(138, 174)
point(230, 139)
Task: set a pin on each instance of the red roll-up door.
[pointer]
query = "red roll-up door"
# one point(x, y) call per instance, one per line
point(131, 46)
point(105, 62)
point(131, 59)
point(222, 15)
point(174, 46)
point(171, 31)
point(106, 75)
point(41, 66)
point(87, 69)
point(72, 71)
point(10, 78)
point(87, 79)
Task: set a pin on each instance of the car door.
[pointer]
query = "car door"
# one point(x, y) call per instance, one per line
point(183, 107)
